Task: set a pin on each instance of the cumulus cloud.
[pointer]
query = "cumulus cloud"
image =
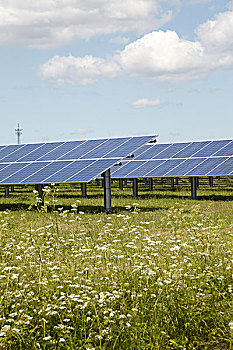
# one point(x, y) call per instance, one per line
point(159, 55)
point(144, 102)
point(48, 23)
point(78, 70)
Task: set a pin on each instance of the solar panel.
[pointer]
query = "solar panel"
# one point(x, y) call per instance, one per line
point(225, 168)
point(205, 167)
point(191, 149)
point(226, 151)
point(72, 161)
point(152, 151)
point(199, 158)
point(212, 148)
point(171, 151)
point(39, 151)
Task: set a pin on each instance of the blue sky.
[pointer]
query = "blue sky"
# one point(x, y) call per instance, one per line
point(77, 69)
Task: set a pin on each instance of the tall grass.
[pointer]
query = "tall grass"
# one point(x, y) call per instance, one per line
point(157, 275)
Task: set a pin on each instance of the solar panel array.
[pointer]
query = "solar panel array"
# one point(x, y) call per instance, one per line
point(201, 158)
point(69, 162)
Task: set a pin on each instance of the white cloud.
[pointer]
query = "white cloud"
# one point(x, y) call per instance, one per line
point(217, 35)
point(157, 55)
point(77, 70)
point(144, 102)
point(48, 23)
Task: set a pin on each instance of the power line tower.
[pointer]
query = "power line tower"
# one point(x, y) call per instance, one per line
point(18, 132)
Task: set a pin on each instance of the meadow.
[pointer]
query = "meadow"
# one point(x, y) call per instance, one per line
point(156, 273)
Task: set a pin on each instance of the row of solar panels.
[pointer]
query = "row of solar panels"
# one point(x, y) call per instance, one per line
point(179, 159)
point(58, 162)
point(72, 150)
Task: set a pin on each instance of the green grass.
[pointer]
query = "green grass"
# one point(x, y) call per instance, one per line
point(155, 276)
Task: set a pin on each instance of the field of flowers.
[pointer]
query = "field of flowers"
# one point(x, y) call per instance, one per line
point(157, 274)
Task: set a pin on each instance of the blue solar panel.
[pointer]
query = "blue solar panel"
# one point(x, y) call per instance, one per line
point(21, 152)
point(104, 149)
point(128, 147)
point(211, 148)
point(126, 168)
point(6, 151)
point(83, 149)
point(44, 170)
point(10, 169)
point(185, 166)
point(191, 149)
point(162, 169)
point(153, 151)
point(63, 174)
point(40, 151)
point(225, 168)
point(96, 168)
point(25, 172)
point(205, 167)
point(145, 168)
point(61, 150)
point(142, 150)
point(171, 151)
point(227, 151)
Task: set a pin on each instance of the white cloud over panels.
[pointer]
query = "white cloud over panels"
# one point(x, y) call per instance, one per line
point(49, 23)
point(144, 102)
point(158, 55)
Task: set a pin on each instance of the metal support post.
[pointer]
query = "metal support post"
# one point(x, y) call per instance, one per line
point(121, 184)
point(193, 187)
point(107, 191)
point(12, 188)
point(150, 184)
point(161, 179)
point(39, 188)
point(98, 182)
point(103, 183)
point(211, 181)
point(197, 182)
point(177, 181)
point(172, 182)
point(145, 181)
point(84, 189)
point(125, 182)
point(135, 188)
point(6, 191)
point(218, 177)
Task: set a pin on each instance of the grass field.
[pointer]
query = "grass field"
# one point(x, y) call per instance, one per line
point(155, 274)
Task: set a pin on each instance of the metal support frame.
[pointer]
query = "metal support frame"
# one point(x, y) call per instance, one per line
point(172, 182)
point(121, 184)
point(193, 187)
point(6, 191)
point(107, 191)
point(135, 188)
point(145, 181)
point(218, 178)
point(211, 181)
point(97, 182)
point(12, 188)
point(161, 179)
point(103, 183)
point(125, 182)
point(177, 181)
point(150, 184)
point(39, 188)
point(84, 189)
